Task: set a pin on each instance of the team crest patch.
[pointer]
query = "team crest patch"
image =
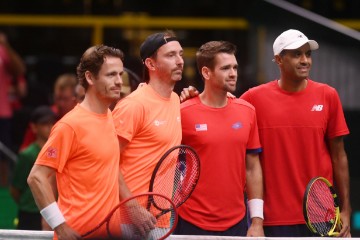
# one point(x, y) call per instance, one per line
point(237, 125)
point(51, 152)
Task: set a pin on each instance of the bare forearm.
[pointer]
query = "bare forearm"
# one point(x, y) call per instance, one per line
point(124, 191)
point(341, 177)
point(254, 179)
point(341, 172)
point(40, 188)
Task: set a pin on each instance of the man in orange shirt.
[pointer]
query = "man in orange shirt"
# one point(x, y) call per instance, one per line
point(148, 120)
point(87, 173)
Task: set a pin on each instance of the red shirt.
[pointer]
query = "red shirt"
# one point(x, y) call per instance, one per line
point(221, 137)
point(293, 129)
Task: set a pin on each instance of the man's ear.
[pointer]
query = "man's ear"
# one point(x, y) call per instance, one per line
point(89, 78)
point(206, 73)
point(278, 59)
point(149, 63)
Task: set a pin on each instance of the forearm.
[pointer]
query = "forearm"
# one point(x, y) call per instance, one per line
point(40, 188)
point(124, 191)
point(341, 172)
point(342, 182)
point(254, 179)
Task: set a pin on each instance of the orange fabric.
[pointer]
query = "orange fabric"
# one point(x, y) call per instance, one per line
point(84, 150)
point(152, 125)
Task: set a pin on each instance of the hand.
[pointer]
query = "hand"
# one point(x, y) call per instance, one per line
point(45, 226)
point(256, 228)
point(64, 232)
point(188, 93)
point(230, 95)
point(143, 220)
point(345, 225)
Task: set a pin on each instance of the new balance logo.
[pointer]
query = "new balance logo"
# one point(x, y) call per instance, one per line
point(317, 108)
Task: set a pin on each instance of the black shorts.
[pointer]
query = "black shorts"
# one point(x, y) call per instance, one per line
point(183, 227)
point(300, 230)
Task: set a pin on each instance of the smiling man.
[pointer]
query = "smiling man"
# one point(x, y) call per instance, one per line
point(224, 133)
point(83, 152)
point(301, 127)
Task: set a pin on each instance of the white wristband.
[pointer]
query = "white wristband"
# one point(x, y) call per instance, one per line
point(256, 208)
point(52, 215)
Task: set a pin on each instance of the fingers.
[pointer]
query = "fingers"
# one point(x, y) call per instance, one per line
point(184, 95)
point(345, 231)
point(193, 92)
point(188, 93)
point(230, 95)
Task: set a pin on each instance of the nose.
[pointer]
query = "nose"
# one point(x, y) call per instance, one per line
point(233, 72)
point(304, 58)
point(180, 60)
point(118, 80)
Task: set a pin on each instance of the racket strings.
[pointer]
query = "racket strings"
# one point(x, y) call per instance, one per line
point(320, 208)
point(126, 222)
point(177, 175)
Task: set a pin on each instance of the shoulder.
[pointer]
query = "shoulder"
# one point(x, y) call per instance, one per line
point(131, 103)
point(260, 89)
point(319, 85)
point(242, 103)
point(190, 103)
point(174, 97)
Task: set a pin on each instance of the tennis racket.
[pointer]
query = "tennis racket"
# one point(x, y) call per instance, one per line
point(126, 220)
point(321, 208)
point(176, 174)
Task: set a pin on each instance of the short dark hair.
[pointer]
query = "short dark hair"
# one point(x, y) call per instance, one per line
point(93, 59)
point(205, 56)
point(42, 114)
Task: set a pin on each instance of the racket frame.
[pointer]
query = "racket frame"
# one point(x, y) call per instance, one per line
point(332, 232)
point(150, 195)
point(162, 159)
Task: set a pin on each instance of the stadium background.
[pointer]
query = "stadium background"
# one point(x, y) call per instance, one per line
point(52, 35)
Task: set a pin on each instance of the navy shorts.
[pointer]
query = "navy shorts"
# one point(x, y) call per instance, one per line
point(300, 230)
point(185, 228)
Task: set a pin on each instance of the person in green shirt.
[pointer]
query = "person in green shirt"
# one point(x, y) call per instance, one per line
point(41, 121)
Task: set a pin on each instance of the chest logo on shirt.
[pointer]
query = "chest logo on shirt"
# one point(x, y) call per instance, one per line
point(317, 108)
point(158, 123)
point(237, 125)
point(201, 127)
point(51, 152)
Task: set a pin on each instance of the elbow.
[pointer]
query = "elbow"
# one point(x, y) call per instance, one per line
point(32, 179)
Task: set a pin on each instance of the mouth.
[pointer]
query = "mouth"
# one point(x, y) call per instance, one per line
point(231, 82)
point(115, 90)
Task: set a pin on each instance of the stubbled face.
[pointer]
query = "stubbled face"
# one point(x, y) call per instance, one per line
point(109, 79)
point(169, 61)
point(225, 72)
point(296, 64)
